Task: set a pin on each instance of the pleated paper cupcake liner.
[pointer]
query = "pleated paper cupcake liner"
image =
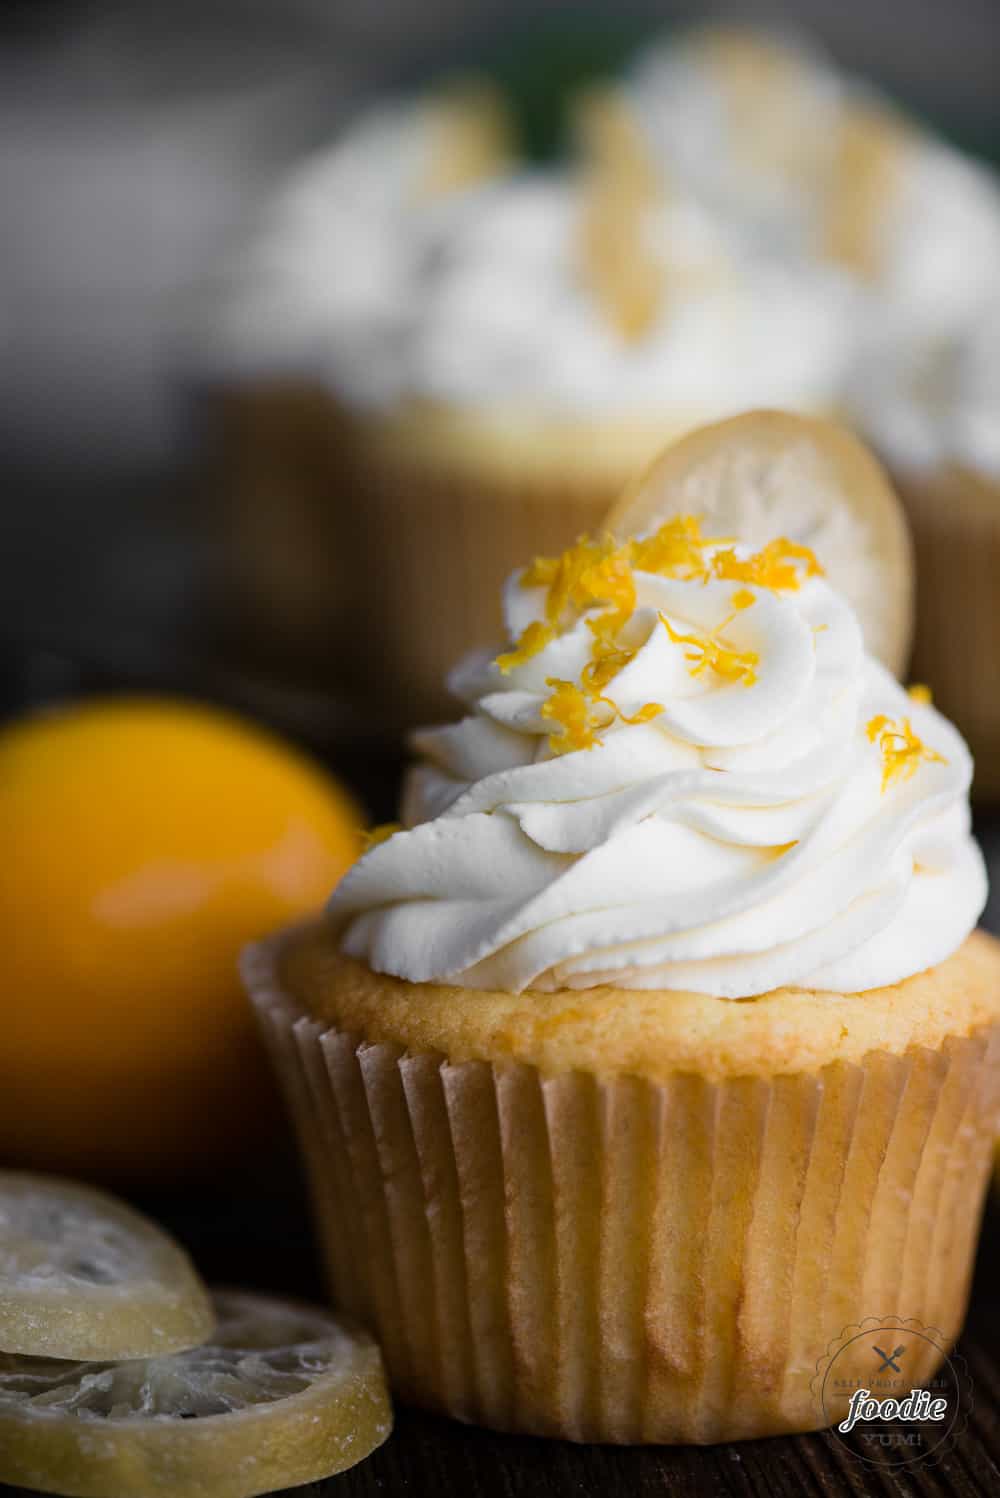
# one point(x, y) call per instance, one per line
point(432, 549)
point(629, 1261)
point(955, 519)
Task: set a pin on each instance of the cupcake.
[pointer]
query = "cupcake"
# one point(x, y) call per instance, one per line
point(515, 352)
point(656, 1048)
point(932, 406)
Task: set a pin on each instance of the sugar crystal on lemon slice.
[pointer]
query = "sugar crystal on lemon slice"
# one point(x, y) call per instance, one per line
point(803, 478)
point(283, 1394)
point(82, 1275)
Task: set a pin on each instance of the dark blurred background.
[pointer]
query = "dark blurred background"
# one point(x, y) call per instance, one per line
point(136, 144)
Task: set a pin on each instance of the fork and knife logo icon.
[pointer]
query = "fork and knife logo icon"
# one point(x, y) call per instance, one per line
point(889, 1358)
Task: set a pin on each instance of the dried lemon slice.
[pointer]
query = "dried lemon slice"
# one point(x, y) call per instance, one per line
point(472, 137)
point(283, 1394)
point(622, 187)
point(84, 1276)
point(771, 473)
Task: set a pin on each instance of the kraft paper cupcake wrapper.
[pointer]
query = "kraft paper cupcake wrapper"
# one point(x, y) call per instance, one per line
point(955, 519)
point(431, 550)
point(620, 1260)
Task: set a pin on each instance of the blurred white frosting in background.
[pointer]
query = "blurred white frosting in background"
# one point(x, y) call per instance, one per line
point(387, 292)
point(137, 145)
point(803, 232)
point(508, 316)
point(931, 403)
point(748, 125)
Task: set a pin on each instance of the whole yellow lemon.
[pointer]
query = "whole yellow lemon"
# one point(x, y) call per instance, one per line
point(144, 842)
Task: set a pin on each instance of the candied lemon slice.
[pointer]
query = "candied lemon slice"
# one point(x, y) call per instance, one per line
point(283, 1394)
point(472, 137)
point(870, 154)
point(766, 474)
point(82, 1275)
point(622, 187)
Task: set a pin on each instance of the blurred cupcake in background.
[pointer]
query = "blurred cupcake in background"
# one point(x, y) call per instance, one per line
point(517, 352)
point(933, 408)
point(571, 321)
point(448, 357)
point(319, 298)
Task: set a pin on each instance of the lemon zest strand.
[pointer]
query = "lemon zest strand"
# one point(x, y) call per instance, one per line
point(920, 692)
point(532, 642)
point(676, 550)
point(772, 567)
point(902, 751)
point(578, 716)
point(709, 651)
point(564, 576)
point(575, 716)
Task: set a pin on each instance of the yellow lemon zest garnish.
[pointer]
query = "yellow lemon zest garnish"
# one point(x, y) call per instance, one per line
point(380, 834)
point(920, 692)
point(593, 574)
point(576, 715)
point(608, 658)
point(610, 581)
point(580, 716)
point(772, 567)
point(677, 549)
point(902, 751)
point(572, 577)
point(608, 654)
point(643, 714)
point(532, 642)
point(709, 651)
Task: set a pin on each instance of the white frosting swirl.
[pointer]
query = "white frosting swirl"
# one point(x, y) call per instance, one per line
point(932, 402)
point(740, 841)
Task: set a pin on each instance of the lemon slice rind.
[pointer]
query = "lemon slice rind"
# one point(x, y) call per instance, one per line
point(765, 474)
point(284, 1394)
point(84, 1276)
